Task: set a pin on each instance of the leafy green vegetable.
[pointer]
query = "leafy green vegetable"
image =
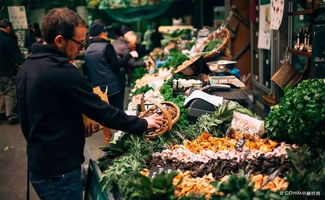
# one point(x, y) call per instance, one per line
point(241, 188)
point(180, 32)
point(176, 58)
point(192, 197)
point(218, 122)
point(309, 171)
point(141, 90)
point(137, 74)
point(212, 45)
point(167, 90)
point(189, 45)
point(113, 150)
point(300, 116)
point(140, 187)
point(119, 170)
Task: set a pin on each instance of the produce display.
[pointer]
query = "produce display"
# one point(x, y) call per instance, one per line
point(209, 160)
point(206, 141)
point(206, 187)
point(225, 162)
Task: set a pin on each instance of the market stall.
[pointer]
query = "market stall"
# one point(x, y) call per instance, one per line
point(226, 151)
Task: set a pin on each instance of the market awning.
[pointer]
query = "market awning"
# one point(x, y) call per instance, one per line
point(133, 14)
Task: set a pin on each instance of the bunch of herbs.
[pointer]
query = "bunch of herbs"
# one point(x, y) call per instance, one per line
point(300, 116)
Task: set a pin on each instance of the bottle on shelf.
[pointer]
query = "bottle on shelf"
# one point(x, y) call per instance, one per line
point(309, 4)
point(306, 38)
point(298, 39)
point(302, 39)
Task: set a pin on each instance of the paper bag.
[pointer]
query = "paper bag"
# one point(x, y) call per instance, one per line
point(91, 123)
point(247, 124)
point(284, 74)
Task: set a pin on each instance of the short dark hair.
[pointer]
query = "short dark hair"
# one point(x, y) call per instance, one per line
point(60, 21)
point(4, 23)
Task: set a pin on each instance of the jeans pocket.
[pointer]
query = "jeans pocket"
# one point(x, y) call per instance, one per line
point(72, 185)
point(44, 188)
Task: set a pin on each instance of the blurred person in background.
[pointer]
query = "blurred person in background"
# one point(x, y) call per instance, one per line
point(156, 37)
point(103, 67)
point(52, 96)
point(147, 38)
point(33, 36)
point(10, 59)
point(124, 45)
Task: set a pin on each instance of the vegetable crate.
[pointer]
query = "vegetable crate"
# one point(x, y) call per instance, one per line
point(94, 189)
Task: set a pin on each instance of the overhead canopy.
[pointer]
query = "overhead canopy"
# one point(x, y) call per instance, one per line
point(134, 14)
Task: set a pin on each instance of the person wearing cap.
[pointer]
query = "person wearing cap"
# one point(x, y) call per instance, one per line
point(103, 67)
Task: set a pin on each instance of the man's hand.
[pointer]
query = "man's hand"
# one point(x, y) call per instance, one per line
point(91, 129)
point(154, 121)
point(134, 54)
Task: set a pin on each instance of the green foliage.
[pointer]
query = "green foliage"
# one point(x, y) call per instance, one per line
point(218, 122)
point(141, 90)
point(113, 150)
point(167, 90)
point(142, 188)
point(139, 187)
point(138, 73)
point(189, 45)
point(212, 45)
point(119, 170)
point(309, 171)
point(300, 116)
point(180, 32)
point(193, 197)
point(176, 58)
point(241, 188)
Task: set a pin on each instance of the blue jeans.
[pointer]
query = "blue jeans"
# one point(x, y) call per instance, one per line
point(67, 186)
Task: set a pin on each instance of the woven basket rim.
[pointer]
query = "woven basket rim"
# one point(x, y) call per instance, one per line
point(187, 63)
point(170, 121)
point(220, 47)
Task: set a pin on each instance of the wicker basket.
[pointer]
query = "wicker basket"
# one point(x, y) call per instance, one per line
point(170, 120)
point(178, 112)
point(223, 34)
point(188, 67)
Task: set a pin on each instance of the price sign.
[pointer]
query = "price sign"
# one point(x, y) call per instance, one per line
point(17, 16)
point(239, 145)
point(154, 171)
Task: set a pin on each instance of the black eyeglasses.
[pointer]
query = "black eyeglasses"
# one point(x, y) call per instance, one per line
point(82, 44)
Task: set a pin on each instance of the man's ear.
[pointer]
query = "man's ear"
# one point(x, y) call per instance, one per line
point(59, 41)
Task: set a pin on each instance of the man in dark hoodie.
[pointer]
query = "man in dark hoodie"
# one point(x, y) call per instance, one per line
point(10, 58)
point(52, 95)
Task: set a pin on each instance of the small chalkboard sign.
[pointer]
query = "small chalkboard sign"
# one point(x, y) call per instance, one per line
point(155, 170)
point(239, 145)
